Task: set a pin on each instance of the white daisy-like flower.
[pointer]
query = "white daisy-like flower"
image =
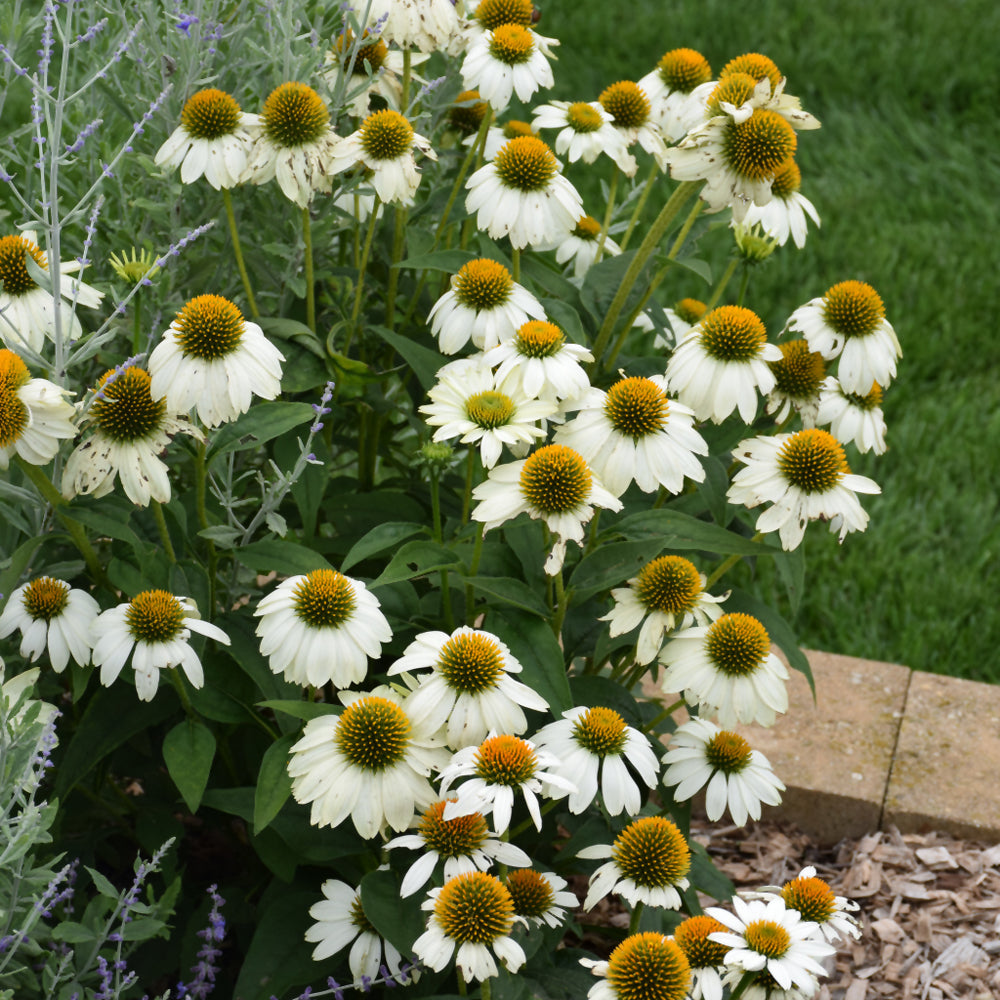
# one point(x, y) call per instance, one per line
point(27, 311)
point(798, 379)
point(804, 476)
point(729, 669)
point(131, 429)
point(427, 25)
point(488, 15)
point(522, 194)
point(212, 358)
point(705, 957)
point(669, 593)
point(538, 897)
point(815, 900)
point(629, 106)
point(213, 140)
point(358, 201)
point(853, 416)
point(468, 403)
point(384, 144)
point(648, 965)
point(594, 747)
point(541, 362)
point(554, 485)
point(677, 90)
point(680, 319)
point(296, 144)
point(51, 615)
point(374, 72)
point(586, 132)
point(500, 767)
point(766, 936)
point(849, 322)
point(751, 81)
point(722, 363)
point(469, 690)
point(484, 305)
point(650, 860)
point(583, 245)
point(497, 136)
point(463, 843)
point(737, 777)
point(471, 918)
point(506, 61)
point(764, 986)
point(153, 628)
point(321, 626)
point(634, 433)
point(34, 415)
point(340, 920)
point(370, 763)
point(466, 114)
point(785, 214)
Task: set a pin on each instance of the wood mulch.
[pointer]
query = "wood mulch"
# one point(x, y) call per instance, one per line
point(930, 906)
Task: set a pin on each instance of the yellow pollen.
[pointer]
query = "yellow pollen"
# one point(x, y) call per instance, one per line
point(800, 372)
point(853, 308)
point(482, 284)
point(587, 228)
point(602, 731)
point(124, 409)
point(324, 599)
point(870, 401)
point(386, 135)
point(812, 897)
point(583, 117)
point(359, 919)
point(294, 115)
point(526, 164)
point(758, 147)
point(515, 129)
point(756, 65)
point(737, 644)
point(489, 409)
point(505, 760)
point(474, 909)
point(683, 70)
point(492, 14)
point(767, 938)
point(373, 53)
point(787, 180)
point(471, 663)
point(512, 44)
point(690, 310)
point(636, 407)
point(531, 892)
point(539, 339)
point(44, 599)
point(14, 417)
point(648, 966)
point(14, 277)
point(813, 460)
point(373, 733)
point(468, 119)
point(210, 114)
point(691, 936)
point(670, 584)
point(209, 327)
point(626, 103)
point(735, 89)
point(652, 852)
point(728, 752)
point(155, 616)
point(453, 838)
point(555, 480)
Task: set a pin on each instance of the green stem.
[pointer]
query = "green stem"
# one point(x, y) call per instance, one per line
point(470, 469)
point(729, 563)
point(744, 282)
point(233, 232)
point(470, 588)
point(515, 262)
point(137, 325)
point(398, 241)
point(592, 538)
point(633, 922)
point(76, 531)
point(310, 281)
point(681, 194)
point(480, 144)
point(665, 714)
point(562, 603)
point(609, 211)
point(721, 286)
point(748, 978)
point(640, 204)
point(200, 484)
point(485, 990)
point(161, 525)
point(359, 289)
point(178, 683)
point(404, 100)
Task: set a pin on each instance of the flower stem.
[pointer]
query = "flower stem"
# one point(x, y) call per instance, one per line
point(721, 286)
point(175, 679)
point(310, 284)
point(137, 325)
point(161, 525)
point(640, 204)
point(359, 288)
point(470, 588)
point(562, 597)
point(470, 469)
point(230, 215)
point(748, 978)
point(633, 923)
point(515, 264)
point(609, 211)
point(200, 482)
point(485, 990)
point(398, 241)
point(729, 563)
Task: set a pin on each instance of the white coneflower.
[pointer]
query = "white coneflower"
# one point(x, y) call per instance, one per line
point(427, 25)
point(798, 379)
point(705, 957)
point(51, 615)
point(375, 71)
point(647, 965)
point(853, 416)
point(541, 362)
point(539, 897)
point(759, 84)
point(153, 629)
point(321, 626)
point(212, 358)
point(815, 900)
point(677, 89)
point(586, 132)
point(213, 139)
point(583, 245)
point(130, 430)
point(506, 61)
point(785, 214)
point(28, 311)
point(629, 106)
point(34, 414)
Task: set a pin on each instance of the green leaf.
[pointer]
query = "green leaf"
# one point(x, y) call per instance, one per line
point(567, 319)
point(188, 751)
point(697, 266)
point(301, 709)
point(397, 920)
point(610, 565)
point(791, 567)
point(287, 558)
point(451, 261)
point(672, 529)
point(103, 885)
point(425, 362)
point(705, 876)
point(18, 563)
point(279, 955)
point(283, 328)
point(380, 539)
point(510, 591)
point(415, 559)
point(74, 933)
point(110, 520)
point(602, 692)
point(262, 422)
point(273, 783)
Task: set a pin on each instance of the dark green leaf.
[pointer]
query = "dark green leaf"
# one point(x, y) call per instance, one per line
point(602, 692)
point(673, 530)
point(510, 591)
point(791, 567)
point(301, 709)
point(278, 956)
point(188, 751)
point(380, 539)
point(287, 558)
point(697, 266)
point(415, 559)
point(399, 921)
point(425, 362)
point(262, 422)
point(74, 933)
point(451, 261)
point(103, 885)
point(273, 783)
point(18, 562)
point(611, 565)
point(705, 876)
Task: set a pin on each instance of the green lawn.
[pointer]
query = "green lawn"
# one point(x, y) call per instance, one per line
point(905, 174)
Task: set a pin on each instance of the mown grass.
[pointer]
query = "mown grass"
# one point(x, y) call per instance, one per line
point(905, 175)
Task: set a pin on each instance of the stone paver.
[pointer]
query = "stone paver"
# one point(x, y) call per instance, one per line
point(947, 762)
